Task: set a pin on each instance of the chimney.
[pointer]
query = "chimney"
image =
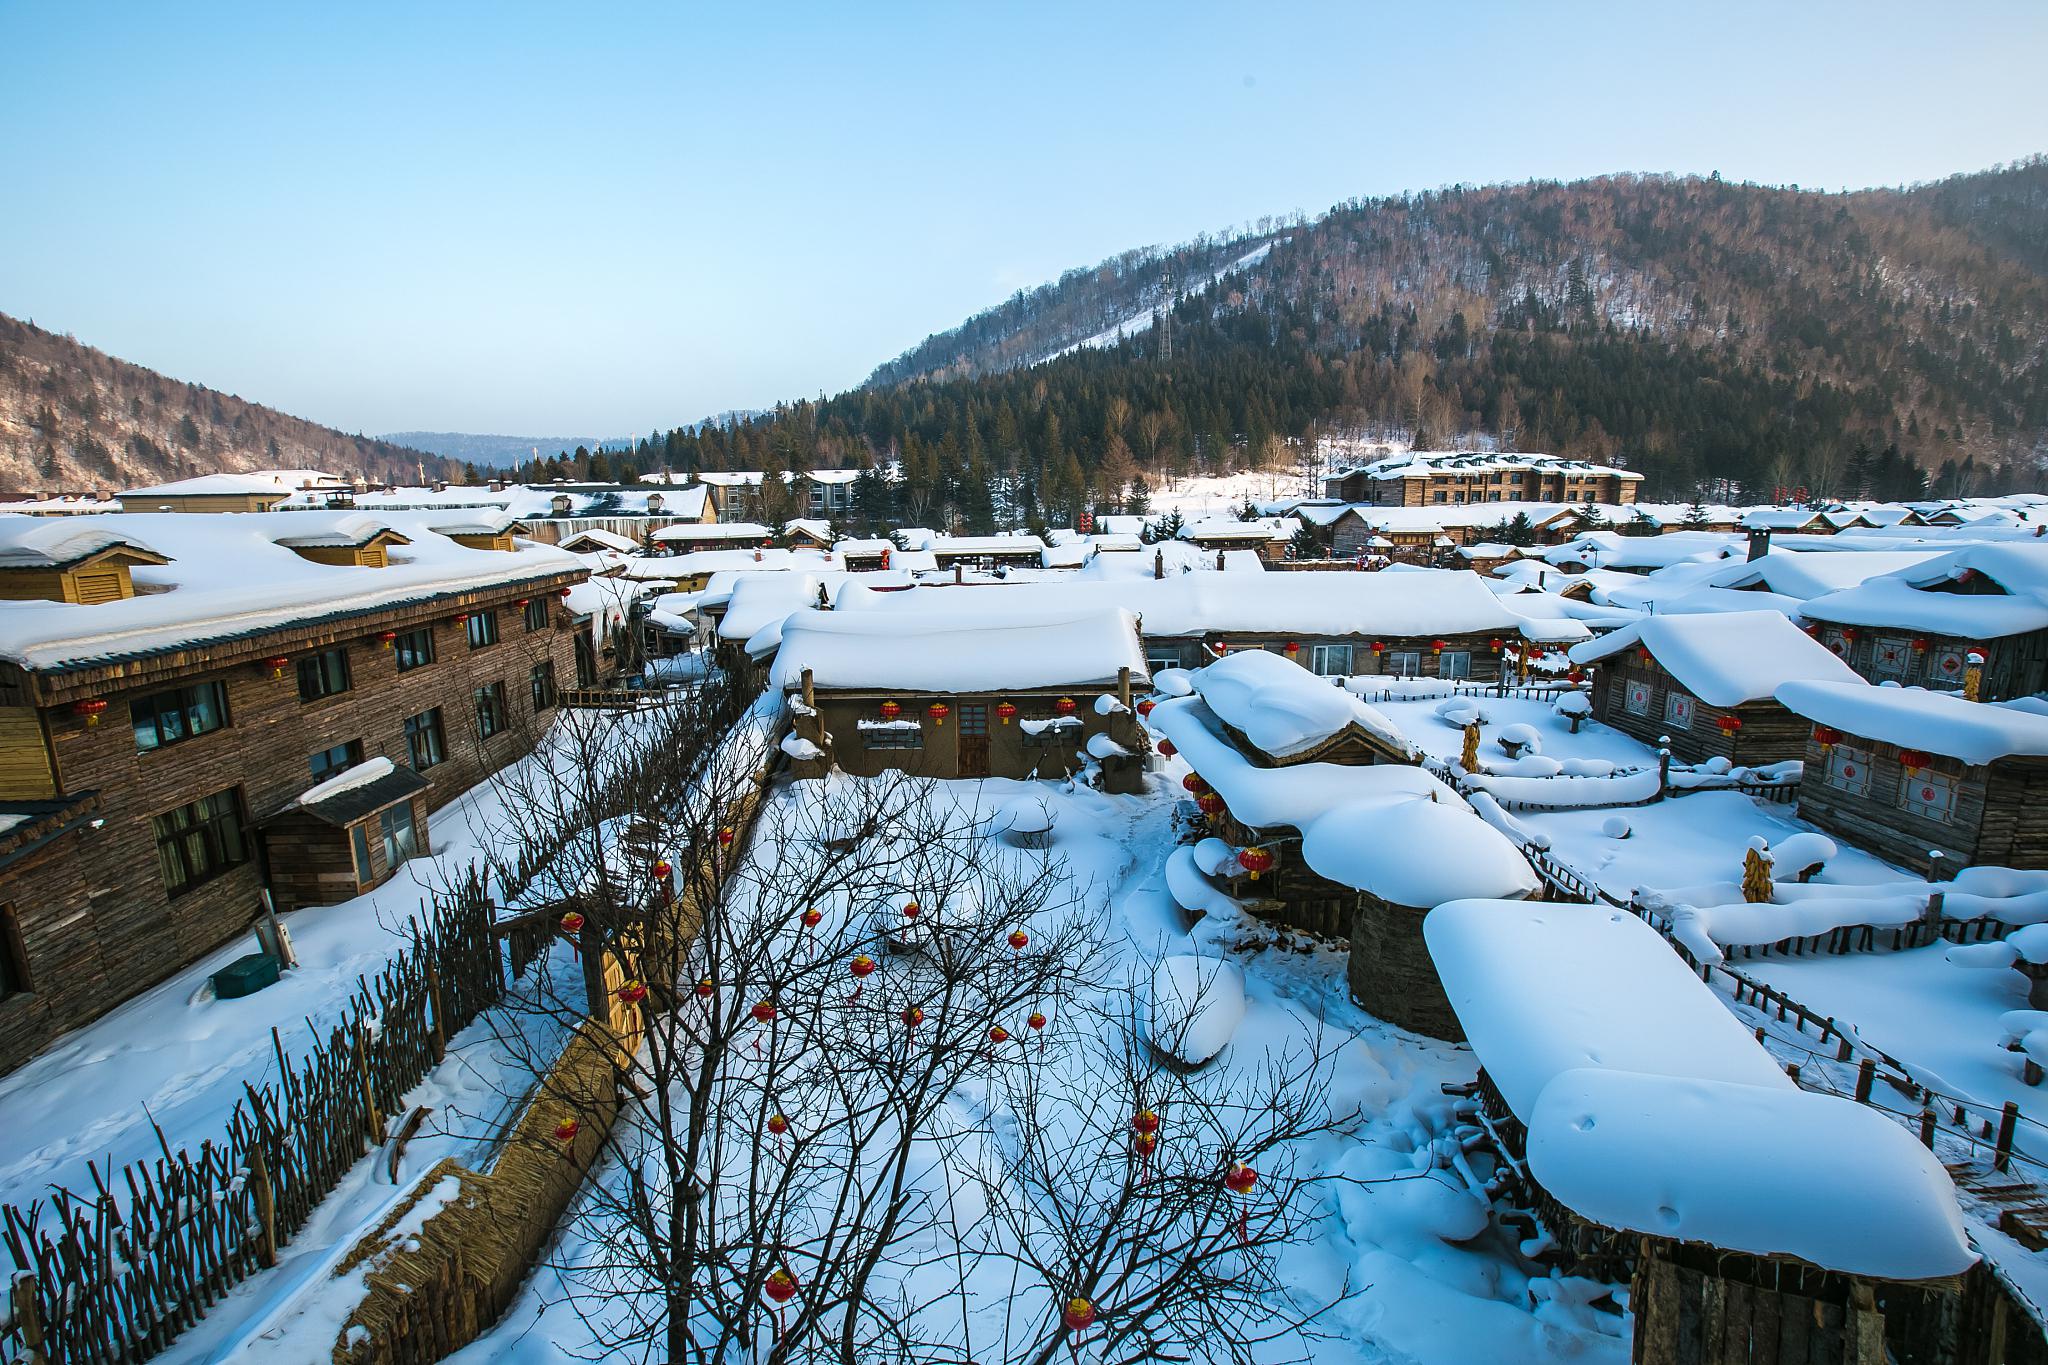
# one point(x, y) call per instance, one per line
point(1159, 563)
point(1759, 543)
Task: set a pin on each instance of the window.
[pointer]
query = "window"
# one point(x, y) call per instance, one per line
point(328, 762)
point(401, 841)
point(1678, 710)
point(424, 742)
point(13, 958)
point(1329, 661)
point(359, 842)
point(178, 714)
point(1849, 770)
point(1891, 657)
point(1945, 668)
point(1154, 665)
point(1837, 642)
point(974, 719)
point(542, 684)
point(1635, 698)
point(894, 735)
point(414, 649)
point(1454, 663)
point(196, 843)
point(536, 614)
point(483, 628)
point(490, 710)
point(1404, 663)
point(323, 674)
point(1928, 794)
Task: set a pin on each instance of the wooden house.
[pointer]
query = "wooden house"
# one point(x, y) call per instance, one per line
point(1919, 626)
point(1354, 852)
point(806, 534)
point(1634, 1132)
point(1258, 537)
point(241, 675)
point(690, 537)
point(956, 694)
point(59, 562)
point(957, 553)
point(259, 491)
point(1905, 773)
point(346, 834)
point(1707, 682)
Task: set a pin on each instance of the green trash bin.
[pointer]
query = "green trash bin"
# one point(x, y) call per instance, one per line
point(245, 976)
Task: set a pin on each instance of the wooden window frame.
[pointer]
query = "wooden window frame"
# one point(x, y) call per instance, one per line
point(488, 702)
point(215, 829)
point(481, 629)
point(184, 708)
point(352, 754)
point(426, 725)
point(541, 689)
point(314, 670)
point(537, 618)
point(414, 645)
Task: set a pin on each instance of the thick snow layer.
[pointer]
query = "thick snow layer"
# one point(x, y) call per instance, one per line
point(1803, 575)
point(1564, 791)
point(959, 651)
point(1508, 967)
point(797, 747)
point(362, 774)
point(1767, 1170)
point(1724, 659)
point(1196, 1005)
point(1283, 709)
point(1907, 599)
point(1940, 722)
point(1192, 890)
point(230, 576)
point(761, 602)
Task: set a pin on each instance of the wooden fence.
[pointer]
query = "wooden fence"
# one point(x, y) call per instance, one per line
point(114, 1275)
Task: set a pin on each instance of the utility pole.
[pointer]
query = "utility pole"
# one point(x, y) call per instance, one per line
point(1165, 320)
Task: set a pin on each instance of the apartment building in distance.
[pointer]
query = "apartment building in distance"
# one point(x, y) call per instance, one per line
point(195, 708)
point(1450, 478)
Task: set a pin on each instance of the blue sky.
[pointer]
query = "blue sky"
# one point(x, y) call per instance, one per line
point(559, 218)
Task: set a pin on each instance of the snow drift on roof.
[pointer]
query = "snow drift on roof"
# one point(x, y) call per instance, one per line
point(1806, 574)
point(1726, 658)
point(960, 650)
point(1905, 599)
point(1283, 709)
point(1939, 722)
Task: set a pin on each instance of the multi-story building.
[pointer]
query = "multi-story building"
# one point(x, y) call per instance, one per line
point(198, 709)
point(1449, 478)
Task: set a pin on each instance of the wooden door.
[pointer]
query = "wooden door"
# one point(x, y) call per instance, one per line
point(974, 739)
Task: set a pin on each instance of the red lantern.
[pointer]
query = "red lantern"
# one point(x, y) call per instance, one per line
point(911, 909)
point(567, 1129)
point(1575, 675)
point(1004, 710)
point(1915, 759)
point(1036, 1021)
point(862, 966)
point(632, 993)
point(462, 619)
point(1018, 938)
point(1292, 648)
point(1145, 706)
point(1145, 1144)
point(1166, 749)
point(1240, 1178)
point(999, 1034)
point(1437, 646)
point(781, 1286)
point(890, 710)
point(1145, 1121)
point(810, 918)
point(705, 988)
point(1827, 736)
point(1255, 861)
point(763, 1011)
point(1078, 1315)
point(912, 1017)
point(1729, 724)
point(1495, 645)
point(563, 594)
point(938, 711)
point(1065, 706)
point(572, 922)
point(725, 837)
point(1379, 646)
point(1222, 647)
point(387, 638)
point(662, 869)
point(777, 1124)
point(1195, 783)
point(90, 709)
point(1919, 646)
point(1849, 634)
point(520, 601)
point(277, 666)
point(1210, 804)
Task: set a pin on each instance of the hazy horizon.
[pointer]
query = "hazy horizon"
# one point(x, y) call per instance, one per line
point(517, 219)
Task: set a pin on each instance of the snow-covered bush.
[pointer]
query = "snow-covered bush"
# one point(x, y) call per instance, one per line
point(1195, 1006)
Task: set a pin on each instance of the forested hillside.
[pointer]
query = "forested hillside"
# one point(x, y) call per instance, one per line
point(1700, 331)
point(73, 418)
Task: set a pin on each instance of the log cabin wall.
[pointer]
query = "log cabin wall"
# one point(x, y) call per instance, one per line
point(2014, 665)
point(974, 732)
point(1768, 734)
point(1484, 654)
point(46, 913)
point(262, 757)
point(1391, 973)
point(1859, 789)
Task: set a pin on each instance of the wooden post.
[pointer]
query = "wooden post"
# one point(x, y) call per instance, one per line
point(1866, 1326)
point(1927, 1128)
point(2002, 1154)
point(440, 1029)
point(1865, 1075)
point(28, 1317)
point(810, 692)
point(1123, 686)
point(373, 1121)
point(266, 1204)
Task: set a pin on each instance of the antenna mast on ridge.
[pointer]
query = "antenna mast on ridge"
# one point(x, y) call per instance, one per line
point(1164, 322)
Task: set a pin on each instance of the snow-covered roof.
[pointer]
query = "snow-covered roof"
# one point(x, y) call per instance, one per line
point(1913, 717)
point(1650, 1108)
point(980, 545)
point(1284, 709)
point(821, 530)
point(1725, 658)
point(1417, 464)
point(1612, 550)
point(1808, 575)
point(1393, 830)
point(962, 650)
point(1781, 519)
point(598, 536)
point(1907, 598)
point(51, 543)
point(231, 576)
point(1230, 529)
point(727, 530)
point(762, 599)
point(254, 481)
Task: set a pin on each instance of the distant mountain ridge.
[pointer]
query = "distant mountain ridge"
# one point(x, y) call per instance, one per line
point(73, 418)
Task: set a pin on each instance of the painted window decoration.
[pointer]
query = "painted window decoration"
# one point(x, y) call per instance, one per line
point(1849, 770)
point(1892, 657)
point(1836, 642)
point(1928, 794)
point(1946, 667)
point(1635, 698)
point(1678, 710)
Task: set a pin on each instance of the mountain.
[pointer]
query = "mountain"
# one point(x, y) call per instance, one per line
point(75, 418)
point(495, 450)
point(1698, 329)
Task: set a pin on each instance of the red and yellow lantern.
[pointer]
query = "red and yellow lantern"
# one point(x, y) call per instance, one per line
point(1728, 725)
point(572, 922)
point(90, 708)
point(1064, 706)
point(277, 666)
point(567, 1129)
point(1036, 1021)
point(1018, 938)
point(938, 711)
point(763, 1011)
point(780, 1286)
point(1145, 706)
point(810, 918)
point(861, 966)
point(1915, 759)
point(1827, 736)
point(777, 1124)
point(1195, 783)
point(1255, 861)
point(387, 638)
point(890, 710)
point(632, 993)
point(1005, 711)
point(998, 1034)
point(912, 1017)
point(1210, 804)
